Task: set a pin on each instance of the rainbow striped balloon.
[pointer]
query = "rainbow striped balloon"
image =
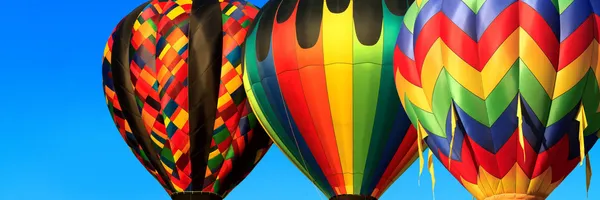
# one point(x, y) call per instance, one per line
point(504, 92)
point(319, 76)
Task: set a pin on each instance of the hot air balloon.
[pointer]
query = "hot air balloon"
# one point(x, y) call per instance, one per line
point(504, 92)
point(173, 85)
point(318, 74)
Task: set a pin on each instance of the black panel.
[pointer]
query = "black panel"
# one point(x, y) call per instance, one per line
point(265, 28)
point(308, 22)
point(124, 90)
point(368, 20)
point(337, 6)
point(285, 10)
point(204, 63)
point(398, 7)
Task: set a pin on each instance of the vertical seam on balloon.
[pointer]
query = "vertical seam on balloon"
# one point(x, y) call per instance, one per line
point(520, 98)
point(341, 184)
point(335, 175)
point(120, 121)
point(285, 107)
point(466, 139)
point(289, 117)
point(159, 168)
point(317, 131)
point(354, 35)
point(500, 185)
point(150, 131)
point(376, 164)
point(543, 136)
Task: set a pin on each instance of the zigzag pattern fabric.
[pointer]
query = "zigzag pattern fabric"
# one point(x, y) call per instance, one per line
point(159, 74)
point(504, 92)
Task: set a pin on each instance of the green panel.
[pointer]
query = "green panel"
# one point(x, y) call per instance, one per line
point(366, 78)
point(566, 102)
point(504, 93)
point(534, 94)
point(468, 102)
point(441, 101)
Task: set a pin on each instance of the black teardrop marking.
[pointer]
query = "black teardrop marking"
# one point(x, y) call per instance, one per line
point(337, 6)
point(398, 7)
point(308, 22)
point(285, 10)
point(368, 20)
point(265, 29)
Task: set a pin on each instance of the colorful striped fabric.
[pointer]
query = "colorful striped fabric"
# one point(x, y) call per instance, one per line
point(505, 92)
point(178, 100)
point(319, 76)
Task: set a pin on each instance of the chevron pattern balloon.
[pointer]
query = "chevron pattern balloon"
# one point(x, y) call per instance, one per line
point(504, 92)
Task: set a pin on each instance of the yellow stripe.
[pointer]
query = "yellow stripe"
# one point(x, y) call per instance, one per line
point(569, 76)
point(337, 49)
point(175, 12)
point(432, 65)
point(499, 64)
point(415, 94)
point(536, 61)
point(223, 99)
point(233, 8)
point(107, 53)
point(464, 73)
point(156, 142)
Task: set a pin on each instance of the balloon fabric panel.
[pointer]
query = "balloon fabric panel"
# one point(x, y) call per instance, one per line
point(319, 76)
point(505, 90)
point(185, 117)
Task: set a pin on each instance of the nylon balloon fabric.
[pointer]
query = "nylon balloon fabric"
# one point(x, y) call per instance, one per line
point(505, 92)
point(319, 76)
point(173, 84)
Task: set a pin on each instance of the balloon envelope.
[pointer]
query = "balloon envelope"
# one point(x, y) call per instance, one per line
point(506, 91)
point(173, 85)
point(318, 74)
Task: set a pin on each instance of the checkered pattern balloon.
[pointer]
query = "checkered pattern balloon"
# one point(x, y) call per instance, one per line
point(177, 100)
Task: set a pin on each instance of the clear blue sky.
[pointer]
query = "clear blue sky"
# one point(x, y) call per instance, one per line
point(58, 140)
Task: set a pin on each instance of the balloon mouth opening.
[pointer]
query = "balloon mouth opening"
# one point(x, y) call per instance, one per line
point(193, 195)
point(352, 197)
point(515, 196)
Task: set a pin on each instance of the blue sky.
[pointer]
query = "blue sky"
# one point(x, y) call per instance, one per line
point(59, 142)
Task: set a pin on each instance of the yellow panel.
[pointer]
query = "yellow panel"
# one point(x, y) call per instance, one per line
point(536, 61)
point(569, 76)
point(464, 73)
point(499, 64)
point(432, 65)
point(337, 54)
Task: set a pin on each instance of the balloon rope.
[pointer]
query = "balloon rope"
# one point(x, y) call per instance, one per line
point(588, 175)
point(520, 117)
point(453, 123)
point(582, 125)
point(431, 172)
point(419, 134)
